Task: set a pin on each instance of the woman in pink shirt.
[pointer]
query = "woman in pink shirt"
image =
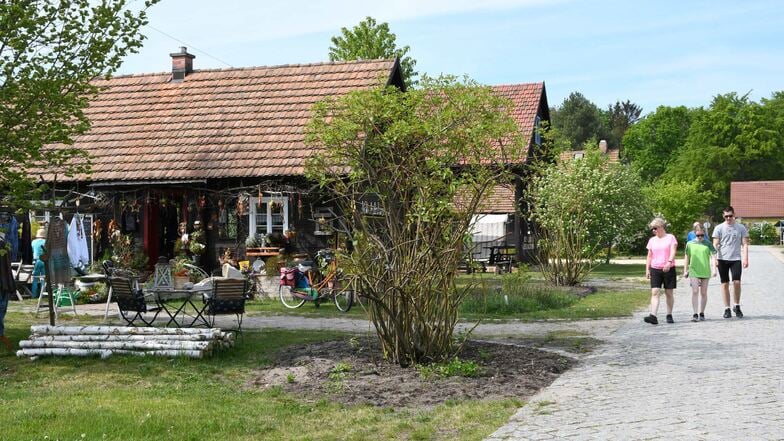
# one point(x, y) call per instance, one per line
point(660, 268)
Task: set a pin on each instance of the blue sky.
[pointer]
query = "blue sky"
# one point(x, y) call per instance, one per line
point(653, 53)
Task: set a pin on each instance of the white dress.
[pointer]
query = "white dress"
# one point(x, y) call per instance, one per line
point(77, 244)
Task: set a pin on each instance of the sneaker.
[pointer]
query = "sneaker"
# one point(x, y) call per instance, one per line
point(727, 313)
point(651, 319)
point(695, 318)
point(702, 316)
point(738, 312)
point(669, 319)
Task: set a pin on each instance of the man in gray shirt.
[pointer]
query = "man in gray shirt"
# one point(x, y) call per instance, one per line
point(731, 240)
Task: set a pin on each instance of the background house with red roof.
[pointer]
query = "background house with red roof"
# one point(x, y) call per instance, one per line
point(224, 147)
point(758, 201)
point(501, 221)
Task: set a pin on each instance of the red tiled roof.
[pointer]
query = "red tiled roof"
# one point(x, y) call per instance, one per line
point(497, 200)
point(526, 98)
point(758, 199)
point(246, 122)
point(500, 200)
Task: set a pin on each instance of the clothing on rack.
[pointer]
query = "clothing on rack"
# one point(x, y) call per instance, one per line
point(25, 241)
point(10, 226)
point(78, 253)
point(59, 266)
point(7, 285)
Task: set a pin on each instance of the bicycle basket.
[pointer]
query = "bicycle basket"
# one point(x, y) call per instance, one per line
point(288, 276)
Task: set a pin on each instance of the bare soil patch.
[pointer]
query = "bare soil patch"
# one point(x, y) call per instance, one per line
point(351, 371)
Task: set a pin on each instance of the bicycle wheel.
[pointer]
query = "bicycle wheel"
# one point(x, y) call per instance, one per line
point(344, 298)
point(288, 298)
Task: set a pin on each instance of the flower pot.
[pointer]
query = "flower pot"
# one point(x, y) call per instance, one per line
point(180, 281)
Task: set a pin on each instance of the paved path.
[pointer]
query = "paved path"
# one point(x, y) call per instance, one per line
point(714, 380)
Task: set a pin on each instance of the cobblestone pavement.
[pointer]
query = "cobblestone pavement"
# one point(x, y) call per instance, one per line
point(722, 379)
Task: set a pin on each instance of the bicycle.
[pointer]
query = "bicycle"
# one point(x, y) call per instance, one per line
point(332, 285)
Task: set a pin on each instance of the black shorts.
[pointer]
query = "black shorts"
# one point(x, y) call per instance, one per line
point(727, 266)
point(659, 278)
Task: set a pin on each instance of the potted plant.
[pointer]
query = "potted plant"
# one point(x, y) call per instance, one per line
point(180, 273)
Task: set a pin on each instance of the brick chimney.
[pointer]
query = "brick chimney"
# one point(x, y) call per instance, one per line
point(182, 64)
point(603, 147)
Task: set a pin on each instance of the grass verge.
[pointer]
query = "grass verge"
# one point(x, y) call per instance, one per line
point(162, 399)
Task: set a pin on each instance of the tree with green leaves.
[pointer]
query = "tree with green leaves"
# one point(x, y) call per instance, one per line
point(583, 207)
point(654, 142)
point(620, 116)
point(734, 139)
point(368, 41)
point(407, 171)
point(578, 119)
point(49, 53)
point(680, 203)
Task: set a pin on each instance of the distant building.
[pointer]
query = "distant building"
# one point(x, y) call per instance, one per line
point(613, 154)
point(757, 201)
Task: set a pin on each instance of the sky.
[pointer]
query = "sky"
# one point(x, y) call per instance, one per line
point(650, 52)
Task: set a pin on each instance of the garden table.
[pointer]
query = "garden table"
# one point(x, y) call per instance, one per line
point(176, 302)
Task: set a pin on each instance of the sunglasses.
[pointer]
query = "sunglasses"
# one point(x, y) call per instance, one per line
point(728, 216)
point(700, 235)
point(653, 229)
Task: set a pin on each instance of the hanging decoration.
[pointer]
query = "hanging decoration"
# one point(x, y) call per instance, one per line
point(242, 204)
point(97, 230)
point(113, 228)
point(299, 206)
point(258, 200)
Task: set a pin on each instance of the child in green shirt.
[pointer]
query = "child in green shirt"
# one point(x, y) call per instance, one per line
point(699, 266)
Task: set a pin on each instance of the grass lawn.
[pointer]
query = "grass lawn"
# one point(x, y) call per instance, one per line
point(128, 398)
point(618, 271)
point(486, 299)
point(487, 302)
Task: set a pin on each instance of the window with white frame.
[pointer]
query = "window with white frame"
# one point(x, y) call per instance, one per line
point(269, 216)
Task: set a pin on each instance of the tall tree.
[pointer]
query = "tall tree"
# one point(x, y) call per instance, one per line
point(735, 139)
point(413, 154)
point(655, 141)
point(621, 116)
point(49, 53)
point(369, 40)
point(578, 119)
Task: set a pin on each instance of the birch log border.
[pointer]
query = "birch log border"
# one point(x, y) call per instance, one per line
point(104, 341)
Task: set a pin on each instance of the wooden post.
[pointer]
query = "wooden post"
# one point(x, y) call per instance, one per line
point(45, 259)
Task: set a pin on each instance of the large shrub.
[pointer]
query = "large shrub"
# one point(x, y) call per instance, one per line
point(764, 233)
point(583, 207)
point(395, 164)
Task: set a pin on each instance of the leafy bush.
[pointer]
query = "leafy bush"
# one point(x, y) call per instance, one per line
point(453, 368)
point(763, 233)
